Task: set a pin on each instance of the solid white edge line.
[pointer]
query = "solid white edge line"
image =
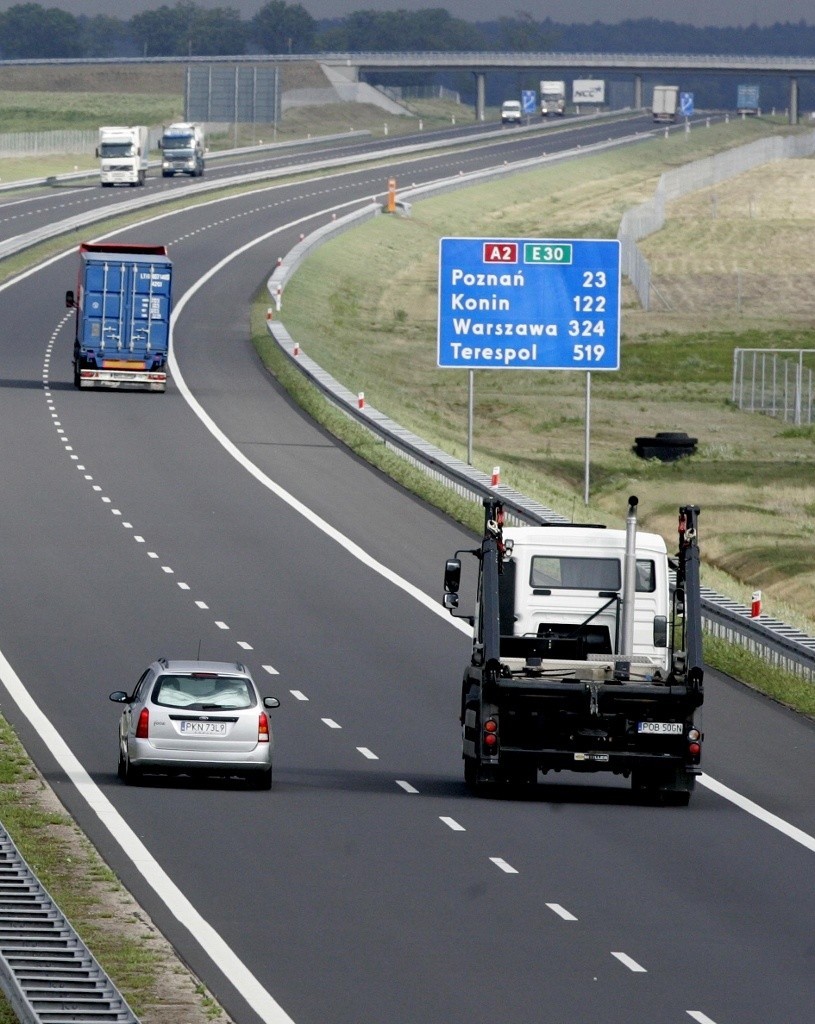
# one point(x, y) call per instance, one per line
point(155, 876)
point(630, 963)
point(317, 521)
point(790, 831)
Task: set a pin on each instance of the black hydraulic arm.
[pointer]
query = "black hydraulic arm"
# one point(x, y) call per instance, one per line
point(492, 559)
point(688, 579)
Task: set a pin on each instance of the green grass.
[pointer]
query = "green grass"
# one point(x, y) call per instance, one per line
point(34, 111)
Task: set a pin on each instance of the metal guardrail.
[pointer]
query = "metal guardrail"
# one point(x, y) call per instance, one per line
point(776, 642)
point(46, 971)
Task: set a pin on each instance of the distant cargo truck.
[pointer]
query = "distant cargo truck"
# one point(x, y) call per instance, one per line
point(665, 102)
point(123, 305)
point(747, 99)
point(123, 155)
point(553, 98)
point(182, 150)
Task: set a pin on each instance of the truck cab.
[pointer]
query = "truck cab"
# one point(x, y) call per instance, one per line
point(182, 150)
point(562, 590)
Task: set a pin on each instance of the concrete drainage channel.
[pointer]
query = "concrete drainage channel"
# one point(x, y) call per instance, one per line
point(47, 973)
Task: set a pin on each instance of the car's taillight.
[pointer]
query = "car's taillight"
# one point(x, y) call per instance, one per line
point(143, 724)
point(263, 728)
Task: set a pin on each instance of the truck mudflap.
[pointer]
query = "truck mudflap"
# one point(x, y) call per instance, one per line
point(145, 380)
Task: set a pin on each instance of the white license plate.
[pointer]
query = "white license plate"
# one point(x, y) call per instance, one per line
point(203, 728)
point(660, 728)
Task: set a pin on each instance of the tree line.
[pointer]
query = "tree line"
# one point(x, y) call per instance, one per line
point(31, 31)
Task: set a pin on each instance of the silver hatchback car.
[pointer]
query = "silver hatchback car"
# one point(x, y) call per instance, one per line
point(196, 717)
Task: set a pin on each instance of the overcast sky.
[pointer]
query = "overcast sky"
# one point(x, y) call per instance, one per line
point(694, 12)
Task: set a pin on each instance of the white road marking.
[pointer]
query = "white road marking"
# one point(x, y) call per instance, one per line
point(246, 646)
point(431, 604)
point(271, 670)
point(701, 1018)
point(502, 864)
point(452, 823)
point(202, 604)
point(632, 965)
point(298, 694)
point(220, 624)
point(790, 831)
point(406, 786)
point(368, 753)
point(331, 723)
point(184, 586)
point(561, 911)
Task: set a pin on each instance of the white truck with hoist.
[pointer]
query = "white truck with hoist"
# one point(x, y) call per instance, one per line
point(584, 658)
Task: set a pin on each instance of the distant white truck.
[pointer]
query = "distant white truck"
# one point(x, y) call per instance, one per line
point(182, 148)
point(553, 98)
point(122, 154)
point(665, 102)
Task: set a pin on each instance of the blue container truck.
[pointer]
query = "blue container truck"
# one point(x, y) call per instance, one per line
point(123, 305)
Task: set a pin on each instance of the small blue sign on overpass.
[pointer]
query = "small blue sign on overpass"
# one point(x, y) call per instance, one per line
point(529, 303)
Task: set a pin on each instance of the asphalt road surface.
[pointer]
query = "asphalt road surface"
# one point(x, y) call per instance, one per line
point(368, 887)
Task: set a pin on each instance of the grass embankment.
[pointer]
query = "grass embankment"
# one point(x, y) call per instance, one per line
point(753, 476)
point(94, 95)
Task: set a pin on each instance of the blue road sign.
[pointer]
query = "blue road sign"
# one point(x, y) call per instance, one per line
point(529, 101)
point(686, 103)
point(529, 303)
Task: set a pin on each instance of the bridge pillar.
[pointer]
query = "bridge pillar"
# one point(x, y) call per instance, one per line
point(793, 101)
point(480, 92)
point(637, 92)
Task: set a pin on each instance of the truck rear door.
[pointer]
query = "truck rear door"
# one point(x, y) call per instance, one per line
point(126, 309)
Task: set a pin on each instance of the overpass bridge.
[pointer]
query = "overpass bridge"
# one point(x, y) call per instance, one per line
point(636, 64)
point(351, 65)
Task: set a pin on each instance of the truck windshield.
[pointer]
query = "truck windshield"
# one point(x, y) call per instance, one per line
point(567, 573)
point(176, 142)
point(116, 149)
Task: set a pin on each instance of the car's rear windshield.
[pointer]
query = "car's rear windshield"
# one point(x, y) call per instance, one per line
point(204, 692)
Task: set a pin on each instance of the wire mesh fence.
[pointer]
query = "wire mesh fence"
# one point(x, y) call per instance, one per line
point(777, 382)
point(649, 217)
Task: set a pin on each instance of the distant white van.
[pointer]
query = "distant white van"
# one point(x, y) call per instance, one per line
point(511, 112)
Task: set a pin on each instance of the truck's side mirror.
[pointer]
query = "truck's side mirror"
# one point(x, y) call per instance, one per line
point(452, 575)
point(69, 299)
point(660, 631)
